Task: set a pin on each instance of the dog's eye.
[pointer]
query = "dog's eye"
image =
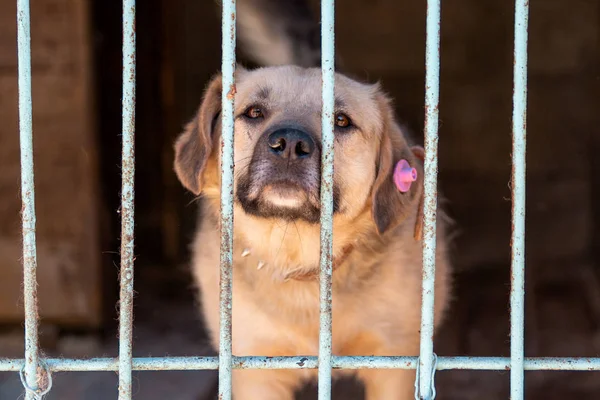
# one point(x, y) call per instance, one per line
point(342, 120)
point(254, 112)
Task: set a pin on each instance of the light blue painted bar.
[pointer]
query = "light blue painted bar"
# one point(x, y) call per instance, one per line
point(127, 203)
point(299, 362)
point(517, 292)
point(432, 90)
point(327, 125)
point(228, 98)
point(27, 197)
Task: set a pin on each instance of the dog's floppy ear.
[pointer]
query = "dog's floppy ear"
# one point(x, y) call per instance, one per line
point(390, 205)
point(195, 145)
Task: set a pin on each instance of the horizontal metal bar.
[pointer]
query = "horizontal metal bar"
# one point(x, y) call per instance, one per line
point(299, 362)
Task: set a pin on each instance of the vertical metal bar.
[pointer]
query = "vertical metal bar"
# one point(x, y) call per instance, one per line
point(227, 141)
point(127, 203)
point(432, 90)
point(27, 197)
point(327, 121)
point(517, 292)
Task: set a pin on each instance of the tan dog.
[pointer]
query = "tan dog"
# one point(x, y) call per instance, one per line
point(377, 277)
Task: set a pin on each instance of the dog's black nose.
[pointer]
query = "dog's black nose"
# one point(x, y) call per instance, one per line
point(291, 143)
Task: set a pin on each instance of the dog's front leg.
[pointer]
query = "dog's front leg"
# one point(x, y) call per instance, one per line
point(265, 384)
point(388, 384)
point(391, 384)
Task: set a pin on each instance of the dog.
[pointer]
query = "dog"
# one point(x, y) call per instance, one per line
point(377, 252)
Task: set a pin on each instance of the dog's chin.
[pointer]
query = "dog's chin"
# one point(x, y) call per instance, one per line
point(284, 196)
point(285, 201)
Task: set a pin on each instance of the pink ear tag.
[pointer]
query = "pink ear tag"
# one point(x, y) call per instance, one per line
point(404, 176)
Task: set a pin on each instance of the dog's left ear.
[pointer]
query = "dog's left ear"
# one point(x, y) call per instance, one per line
point(390, 205)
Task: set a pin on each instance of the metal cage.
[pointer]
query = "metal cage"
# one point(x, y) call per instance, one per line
point(426, 363)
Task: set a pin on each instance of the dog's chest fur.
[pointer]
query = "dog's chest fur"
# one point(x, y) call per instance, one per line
point(282, 317)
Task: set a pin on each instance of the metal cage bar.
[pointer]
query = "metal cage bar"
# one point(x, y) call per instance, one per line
point(432, 99)
point(127, 203)
point(517, 292)
point(327, 121)
point(226, 223)
point(311, 362)
point(31, 361)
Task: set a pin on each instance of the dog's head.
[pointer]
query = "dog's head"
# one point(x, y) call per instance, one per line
point(278, 149)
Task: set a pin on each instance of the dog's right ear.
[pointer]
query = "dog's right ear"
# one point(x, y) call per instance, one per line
point(195, 145)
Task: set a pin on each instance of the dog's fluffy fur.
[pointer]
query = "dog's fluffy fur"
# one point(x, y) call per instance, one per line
point(377, 284)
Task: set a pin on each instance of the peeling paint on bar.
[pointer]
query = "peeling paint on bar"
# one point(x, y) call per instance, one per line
point(27, 198)
point(327, 124)
point(127, 203)
point(226, 223)
point(517, 291)
point(432, 88)
point(310, 362)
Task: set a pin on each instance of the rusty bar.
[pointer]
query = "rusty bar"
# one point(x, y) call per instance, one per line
point(432, 89)
point(517, 292)
point(327, 121)
point(227, 140)
point(310, 362)
point(127, 203)
point(28, 199)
